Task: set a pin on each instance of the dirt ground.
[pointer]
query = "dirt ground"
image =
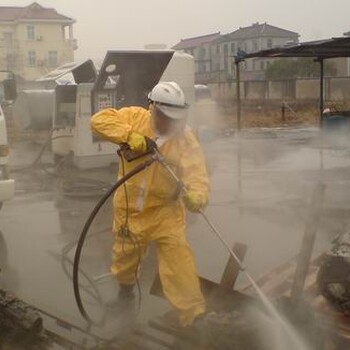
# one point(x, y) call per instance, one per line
point(269, 115)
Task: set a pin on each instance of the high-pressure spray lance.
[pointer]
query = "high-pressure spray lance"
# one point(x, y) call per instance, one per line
point(153, 156)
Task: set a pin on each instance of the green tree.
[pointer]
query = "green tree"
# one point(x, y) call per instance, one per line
point(304, 67)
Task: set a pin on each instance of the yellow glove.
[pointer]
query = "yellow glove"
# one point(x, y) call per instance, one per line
point(195, 201)
point(137, 142)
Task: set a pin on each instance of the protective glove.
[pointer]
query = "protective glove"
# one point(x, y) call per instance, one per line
point(137, 142)
point(195, 201)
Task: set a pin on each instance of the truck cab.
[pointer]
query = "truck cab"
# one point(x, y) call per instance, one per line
point(7, 94)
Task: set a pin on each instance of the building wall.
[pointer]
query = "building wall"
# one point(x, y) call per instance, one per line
point(253, 69)
point(341, 65)
point(8, 48)
point(339, 89)
point(216, 58)
point(201, 56)
point(33, 54)
point(336, 89)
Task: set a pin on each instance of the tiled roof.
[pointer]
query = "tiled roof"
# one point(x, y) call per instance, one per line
point(196, 41)
point(258, 30)
point(31, 12)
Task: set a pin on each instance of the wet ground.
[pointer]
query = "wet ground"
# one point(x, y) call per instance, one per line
point(262, 184)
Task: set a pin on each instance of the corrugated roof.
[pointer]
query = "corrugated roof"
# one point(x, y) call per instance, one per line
point(31, 12)
point(329, 48)
point(195, 41)
point(256, 31)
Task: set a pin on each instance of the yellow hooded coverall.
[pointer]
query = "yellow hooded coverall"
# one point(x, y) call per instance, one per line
point(155, 211)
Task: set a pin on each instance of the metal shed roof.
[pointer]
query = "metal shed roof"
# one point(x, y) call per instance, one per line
point(320, 49)
point(323, 49)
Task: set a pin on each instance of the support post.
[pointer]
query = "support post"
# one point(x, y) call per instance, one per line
point(307, 245)
point(238, 93)
point(283, 112)
point(321, 60)
point(232, 267)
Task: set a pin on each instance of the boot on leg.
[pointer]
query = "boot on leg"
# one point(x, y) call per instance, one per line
point(126, 293)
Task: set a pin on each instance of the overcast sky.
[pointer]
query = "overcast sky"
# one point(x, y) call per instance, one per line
point(116, 24)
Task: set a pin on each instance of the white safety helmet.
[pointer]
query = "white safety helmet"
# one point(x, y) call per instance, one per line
point(170, 100)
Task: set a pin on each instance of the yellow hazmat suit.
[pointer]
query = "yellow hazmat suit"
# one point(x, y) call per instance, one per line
point(155, 210)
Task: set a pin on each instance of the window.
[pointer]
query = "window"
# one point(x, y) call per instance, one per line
point(225, 64)
point(225, 49)
point(269, 43)
point(262, 65)
point(8, 37)
point(31, 58)
point(195, 53)
point(218, 49)
point(255, 46)
point(30, 32)
point(233, 68)
point(203, 52)
point(53, 59)
point(202, 68)
point(233, 48)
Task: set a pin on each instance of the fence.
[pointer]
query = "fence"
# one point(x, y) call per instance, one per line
point(336, 89)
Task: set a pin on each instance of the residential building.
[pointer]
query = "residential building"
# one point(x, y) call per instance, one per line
point(250, 39)
point(214, 53)
point(347, 60)
point(34, 40)
point(200, 48)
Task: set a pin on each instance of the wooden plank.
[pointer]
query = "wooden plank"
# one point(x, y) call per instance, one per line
point(232, 268)
point(158, 338)
point(159, 324)
point(212, 290)
point(308, 241)
point(217, 299)
point(278, 281)
point(272, 278)
point(135, 340)
point(208, 287)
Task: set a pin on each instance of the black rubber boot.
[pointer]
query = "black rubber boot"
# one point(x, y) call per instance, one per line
point(124, 301)
point(126, 292)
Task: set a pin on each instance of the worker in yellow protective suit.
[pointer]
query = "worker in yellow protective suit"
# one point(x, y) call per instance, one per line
point(150, 207)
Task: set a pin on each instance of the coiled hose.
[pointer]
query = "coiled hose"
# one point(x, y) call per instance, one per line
point(85, 231)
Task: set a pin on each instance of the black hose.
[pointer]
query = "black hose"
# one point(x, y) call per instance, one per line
point(85, 231)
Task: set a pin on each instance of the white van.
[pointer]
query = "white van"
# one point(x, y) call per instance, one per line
point(7, 186)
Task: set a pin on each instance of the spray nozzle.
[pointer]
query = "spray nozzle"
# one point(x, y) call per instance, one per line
point(130, 155)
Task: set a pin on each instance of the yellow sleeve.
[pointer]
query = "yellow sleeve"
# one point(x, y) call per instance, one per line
point(117, 125)
point(193, 167)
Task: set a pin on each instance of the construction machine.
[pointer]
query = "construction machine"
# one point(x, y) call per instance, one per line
point(72, 93)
